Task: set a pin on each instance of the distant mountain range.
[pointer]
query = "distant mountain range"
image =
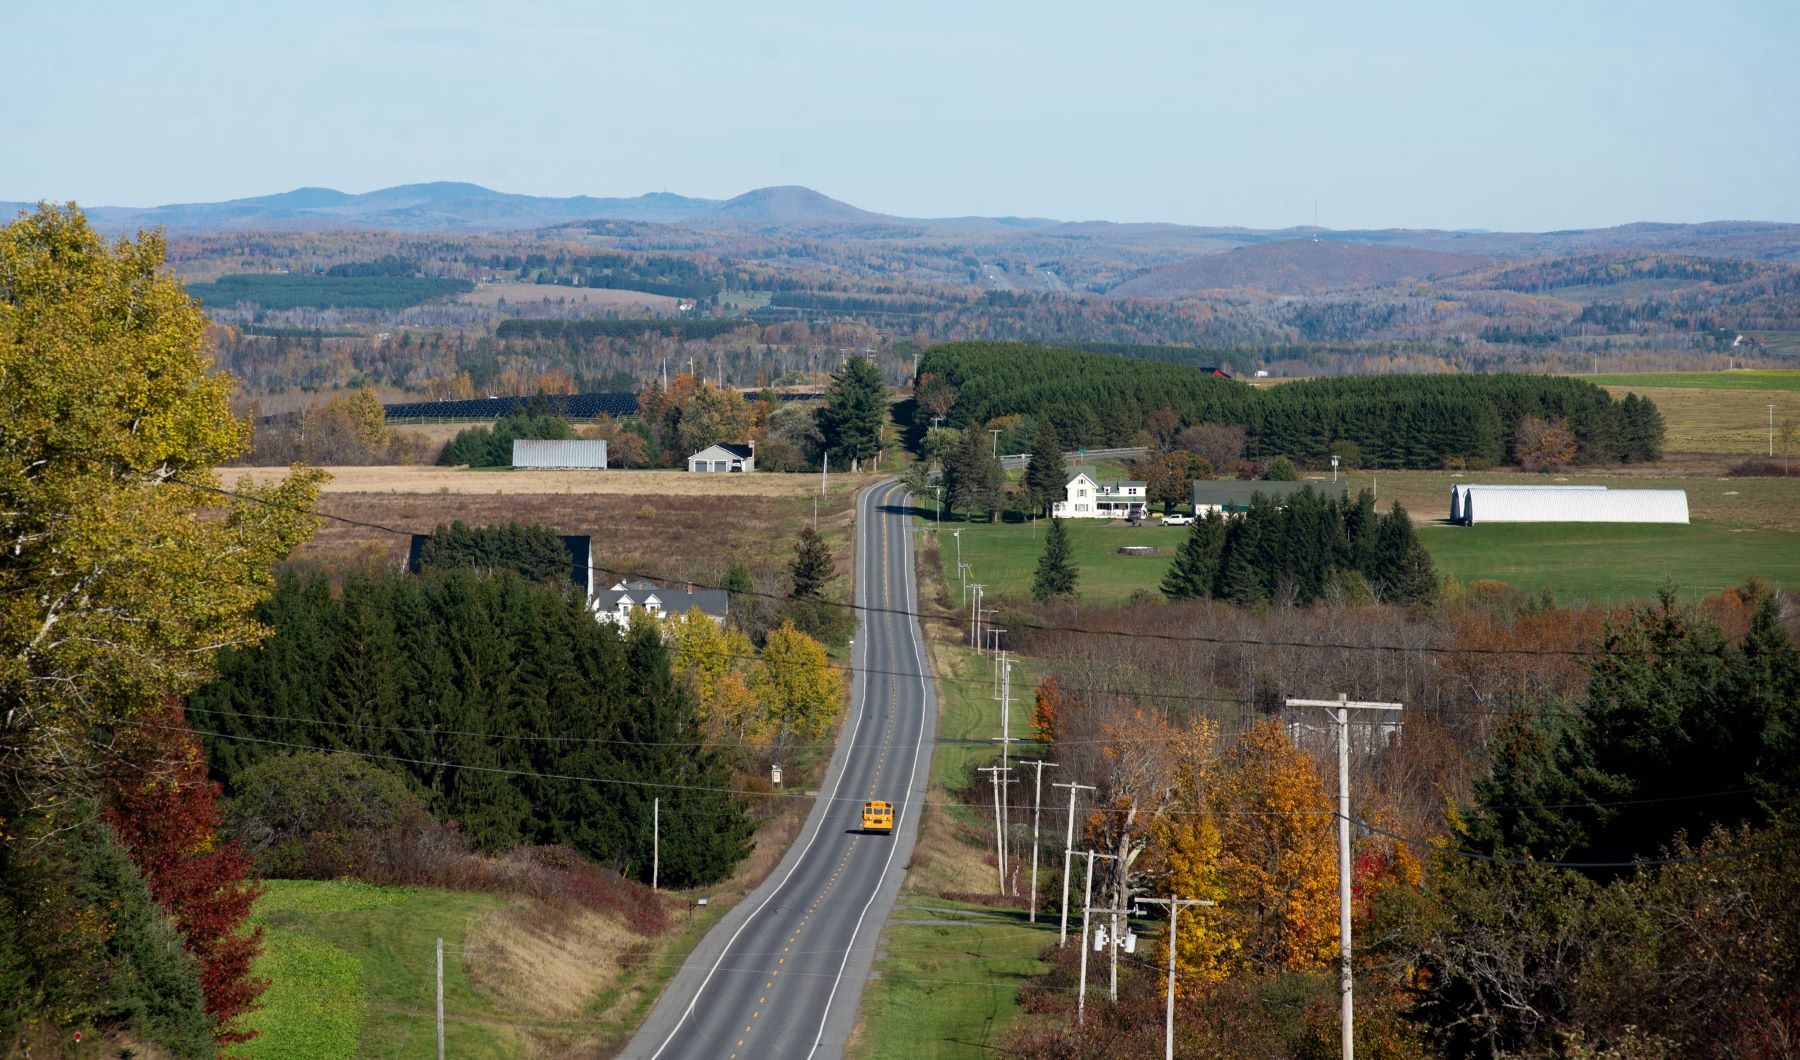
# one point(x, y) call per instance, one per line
point(449, 205)
point(1170, 259)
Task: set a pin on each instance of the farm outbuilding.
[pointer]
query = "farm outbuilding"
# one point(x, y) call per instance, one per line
point(1482, 505)
point(578, 454)
point(1457, 492)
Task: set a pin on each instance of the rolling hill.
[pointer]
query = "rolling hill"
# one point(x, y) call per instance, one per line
point(1295, 266)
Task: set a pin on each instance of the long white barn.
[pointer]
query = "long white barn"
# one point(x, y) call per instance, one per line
point(1482, 505)
point(579, 453)
point(1457, 492)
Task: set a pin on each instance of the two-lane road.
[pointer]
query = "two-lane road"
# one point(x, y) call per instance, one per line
point(782, 974)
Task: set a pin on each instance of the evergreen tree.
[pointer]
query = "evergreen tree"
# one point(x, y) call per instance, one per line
point(1399, 565)
point(1046, 475)
point(855, 409)
point(1239, 579)
point(972, 477)
point(813, 564)
point(1682, 729)
point(1056, 572)
point(531, 551)
point(1196, 566)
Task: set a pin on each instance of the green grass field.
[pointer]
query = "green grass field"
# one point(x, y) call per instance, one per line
point(1003, 556)
point(1603, 563)
point(352, 973)
point(1742, 379)
point(1615, 563)
point(949, 983)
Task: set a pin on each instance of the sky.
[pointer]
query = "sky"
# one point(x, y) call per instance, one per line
point(1518, 116)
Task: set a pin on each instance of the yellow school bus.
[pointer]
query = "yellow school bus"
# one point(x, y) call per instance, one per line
point(878, 817)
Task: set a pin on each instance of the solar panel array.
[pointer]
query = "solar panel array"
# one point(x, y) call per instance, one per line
point(572, 406)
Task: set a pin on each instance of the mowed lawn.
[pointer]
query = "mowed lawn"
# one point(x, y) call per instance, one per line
point(1004, 556)
point(1614, 563)
point(1599, 562)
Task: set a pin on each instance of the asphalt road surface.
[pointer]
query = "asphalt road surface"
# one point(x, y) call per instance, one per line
point(782, 974)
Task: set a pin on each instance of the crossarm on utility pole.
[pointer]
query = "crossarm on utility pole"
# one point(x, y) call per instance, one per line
point(1174, 905)
point(1062, 937)
point(1342, 706)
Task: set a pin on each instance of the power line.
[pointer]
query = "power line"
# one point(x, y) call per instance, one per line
point(940, 803)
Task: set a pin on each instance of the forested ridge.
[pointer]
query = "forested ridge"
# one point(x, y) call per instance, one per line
point(1403, 421)
point(358, 290)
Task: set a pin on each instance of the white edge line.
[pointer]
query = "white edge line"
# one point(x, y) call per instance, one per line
point(799, 861)
point(912, 629)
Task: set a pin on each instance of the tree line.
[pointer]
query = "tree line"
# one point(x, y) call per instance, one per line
point(457, 667)
point(1410, 421)
point(1309, 548)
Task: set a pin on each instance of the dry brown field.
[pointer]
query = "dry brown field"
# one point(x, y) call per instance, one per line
point(663, 525)
point(649, 486)
point(541, 294)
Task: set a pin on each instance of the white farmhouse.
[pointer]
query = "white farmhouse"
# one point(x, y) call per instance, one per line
point(616, 604)
point(1088, 498)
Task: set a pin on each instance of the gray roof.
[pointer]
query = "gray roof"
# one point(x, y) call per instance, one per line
point(742, 452)
point(678, 601)
point(1235, 493)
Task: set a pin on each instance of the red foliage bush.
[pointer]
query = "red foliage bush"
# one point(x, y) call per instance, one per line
point(167, 815)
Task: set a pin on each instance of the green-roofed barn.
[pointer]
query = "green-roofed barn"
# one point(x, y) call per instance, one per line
point(1233, 495)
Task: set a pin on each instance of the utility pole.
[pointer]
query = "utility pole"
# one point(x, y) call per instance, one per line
point(655, 839)
point(440, 999)
point(1342, 706)
point(1174, 905)
point(1087, 901)
point(1005, 672)
point(995, 431)
point(1068, 856)
point(1037, 802)
point(824, 471)
point(1771, 429)
point(999, 850)
point(975, 618)
point(959, 563)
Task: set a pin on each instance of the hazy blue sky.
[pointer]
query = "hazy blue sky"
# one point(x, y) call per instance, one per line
point(1515, 114)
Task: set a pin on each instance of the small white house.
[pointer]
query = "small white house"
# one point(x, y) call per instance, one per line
point(724, 457)
point(579, 454)
point(1088, 498)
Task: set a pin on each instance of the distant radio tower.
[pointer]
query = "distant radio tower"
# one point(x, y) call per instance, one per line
point(1315, 220)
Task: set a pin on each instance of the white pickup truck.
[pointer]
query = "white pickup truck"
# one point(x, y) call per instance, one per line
point(1177, 519)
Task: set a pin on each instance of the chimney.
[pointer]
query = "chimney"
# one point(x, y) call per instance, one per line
point(690, 588)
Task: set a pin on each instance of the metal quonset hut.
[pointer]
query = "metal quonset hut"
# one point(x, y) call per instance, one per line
point(579, 453)
point(1482, 505)
point(1458, 491)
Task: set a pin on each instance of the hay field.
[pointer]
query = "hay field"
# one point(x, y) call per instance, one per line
point(1739, 503)
point(1711, 419)
point(646, 486)
point(666, 538)
point(527, 295)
